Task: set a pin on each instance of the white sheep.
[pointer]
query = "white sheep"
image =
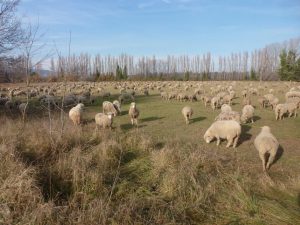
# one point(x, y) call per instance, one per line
point(187, 113)
point(292, 108)
point(280, 110)
point(226, 108)
point(133, 113)
point(117, 105)
point(75, 114)
point(265, 143)
point(103, 120)
point(215, 101)
point(225, 129)
point(231, 115)
point(247, 113)
point(109, 108)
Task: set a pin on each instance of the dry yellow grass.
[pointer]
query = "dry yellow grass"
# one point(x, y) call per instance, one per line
point(160, 173)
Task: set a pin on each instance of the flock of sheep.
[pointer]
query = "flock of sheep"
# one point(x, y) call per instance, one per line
point(227, 124)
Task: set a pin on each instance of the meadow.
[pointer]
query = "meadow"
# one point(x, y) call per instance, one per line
point(161, 172)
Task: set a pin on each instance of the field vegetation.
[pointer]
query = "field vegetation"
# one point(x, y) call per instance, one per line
point(161, 172)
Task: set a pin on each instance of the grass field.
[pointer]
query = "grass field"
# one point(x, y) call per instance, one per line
point(159, 173)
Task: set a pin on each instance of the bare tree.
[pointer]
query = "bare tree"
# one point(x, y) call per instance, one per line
point(10, 26)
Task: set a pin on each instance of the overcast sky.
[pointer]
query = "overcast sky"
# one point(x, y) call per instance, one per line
point(163, 27)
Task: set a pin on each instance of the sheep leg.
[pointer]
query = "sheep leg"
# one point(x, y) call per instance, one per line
point(132, 121)
point(236, 141)
point(252, 120)
point(263, 159)
point(218, 141)
point(230, 140)
point(270, 161)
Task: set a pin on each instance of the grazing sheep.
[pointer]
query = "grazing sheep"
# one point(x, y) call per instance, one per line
point(227, 99)
point(280, 110)
point(75, 114)
point(206, 100)
point(292, 109)
point(274, 102)
point(117, 105)
point(172, 95)
point(244, 93)
point(134, 113)
point(225, 129)
point(292, 94)
point(225, 108)
point(231, 115)
point(192, 97)
point(125, 97)
point(103, 120)
point(109, 108)
point(187, 113)
point(262, 101)
point(215, 101)
point(246, 101)
point(247, 114)
point(266, 144)
point(182, 97)
point(164, 95)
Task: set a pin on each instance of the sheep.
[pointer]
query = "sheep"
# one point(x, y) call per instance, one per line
point(231, 115)
point(206, 100)
point(109, 108)
point(266, 144)
point(280, 110)
point(292, 109)
point(244, 93)
point(274, 102)
point(182, 97)
point(187, 113)
point(246, 101)
point(227, 99)
point(164, 95)
point(247, 113)
point(117, 105)
point(103, 120)
point(125, 97)
point(192, 97)
point(75, 114)
point(225, 108)
point(262, 101)
point(292, 94)
point(215, 102)
point(226, 129)
point(133, 113)
point(172, 95)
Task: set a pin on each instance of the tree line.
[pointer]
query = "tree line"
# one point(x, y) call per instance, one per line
point(260, 64)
